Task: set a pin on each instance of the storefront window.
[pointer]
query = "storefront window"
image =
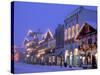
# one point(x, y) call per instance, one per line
point(66, 54)
point(53, 58)
point(76, 51)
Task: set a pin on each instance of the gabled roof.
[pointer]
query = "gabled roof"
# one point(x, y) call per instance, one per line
point(84, 30)
point(25, 41)
point(48, 33)
point(30, 33)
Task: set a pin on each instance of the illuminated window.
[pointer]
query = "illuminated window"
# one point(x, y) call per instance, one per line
point(77, 28)
point(66, 54)
point(73, 31)
point(65, 35)
point(53, 58)
point(76, 51)
point(69, 33)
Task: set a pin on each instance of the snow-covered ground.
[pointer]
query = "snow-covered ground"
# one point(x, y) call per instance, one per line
point(28, 68)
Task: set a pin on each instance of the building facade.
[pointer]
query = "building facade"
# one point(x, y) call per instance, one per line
point(67, 46)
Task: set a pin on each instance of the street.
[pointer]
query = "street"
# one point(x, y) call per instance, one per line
point(28, 68)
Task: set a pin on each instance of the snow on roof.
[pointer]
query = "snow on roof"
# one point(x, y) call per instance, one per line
point(25, 41)
point(82, 28)
point(29, 31)
point(43, 49)
point(50, 33)
point(93, 24)
point(45, 35)
point(41, 41)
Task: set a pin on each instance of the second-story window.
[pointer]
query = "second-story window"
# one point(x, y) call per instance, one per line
point(73, 31)
point(69, 33)
point(77, 28)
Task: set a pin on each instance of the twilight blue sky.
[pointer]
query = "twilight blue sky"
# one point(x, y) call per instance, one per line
point(29, 15)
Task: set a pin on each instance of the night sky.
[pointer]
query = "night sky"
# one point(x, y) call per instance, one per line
point(35, 16)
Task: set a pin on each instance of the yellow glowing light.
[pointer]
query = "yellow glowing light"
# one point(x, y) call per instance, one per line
point(69, 33)
point(76, 51)
point(66, 53)
point(73, 29)
point(77, 28)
